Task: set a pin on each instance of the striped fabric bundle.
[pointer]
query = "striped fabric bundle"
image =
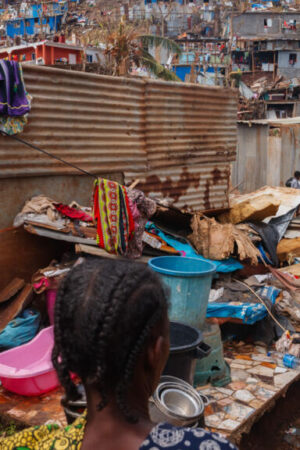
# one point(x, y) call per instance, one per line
point(113, 217)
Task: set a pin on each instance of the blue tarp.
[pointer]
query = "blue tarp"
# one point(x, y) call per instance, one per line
point(20, 330)
point(249, 313)
point(228, 265)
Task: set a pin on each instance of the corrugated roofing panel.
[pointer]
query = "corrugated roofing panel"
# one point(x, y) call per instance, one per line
point(95, 122)
point(189, 124)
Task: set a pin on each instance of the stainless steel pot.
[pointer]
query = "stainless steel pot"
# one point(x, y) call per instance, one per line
point(176, 402)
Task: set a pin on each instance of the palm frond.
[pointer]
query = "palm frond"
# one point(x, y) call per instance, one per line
point(157, 69)
point(149, 40)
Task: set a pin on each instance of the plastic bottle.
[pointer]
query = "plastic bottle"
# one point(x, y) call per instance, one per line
point(285, 360)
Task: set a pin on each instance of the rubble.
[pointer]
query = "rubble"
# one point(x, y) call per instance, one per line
point(259, 232)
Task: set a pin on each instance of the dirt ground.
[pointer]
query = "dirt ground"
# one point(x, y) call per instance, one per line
point(278, 429)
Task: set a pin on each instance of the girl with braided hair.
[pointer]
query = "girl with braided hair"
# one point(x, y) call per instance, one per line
point(112, 329)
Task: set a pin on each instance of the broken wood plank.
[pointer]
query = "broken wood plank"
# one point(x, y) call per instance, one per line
point(14, 286)
point(57, 235)
point(10, 309)
point(97, 251)
point(22, 254)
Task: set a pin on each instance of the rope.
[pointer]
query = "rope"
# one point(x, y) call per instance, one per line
point(49, 154)
point(262, 301)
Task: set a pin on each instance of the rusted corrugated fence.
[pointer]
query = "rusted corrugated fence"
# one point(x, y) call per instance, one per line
point(178, 139)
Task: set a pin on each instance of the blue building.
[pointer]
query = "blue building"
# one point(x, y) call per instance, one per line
point(47, 17)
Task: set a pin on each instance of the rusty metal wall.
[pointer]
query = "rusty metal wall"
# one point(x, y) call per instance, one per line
point(188, 124)
point(179, 139)
point(268, 153)
point(200, 187)
point(191, 137)
point(250, 168)
point(96, 122)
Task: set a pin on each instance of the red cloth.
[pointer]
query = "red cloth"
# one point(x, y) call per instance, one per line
point(73, 213)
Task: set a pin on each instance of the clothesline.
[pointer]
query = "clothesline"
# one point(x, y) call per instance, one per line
point(35, 147)
point(49, 154)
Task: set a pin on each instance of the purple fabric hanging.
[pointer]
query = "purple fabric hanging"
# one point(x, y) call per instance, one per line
point(13, 100)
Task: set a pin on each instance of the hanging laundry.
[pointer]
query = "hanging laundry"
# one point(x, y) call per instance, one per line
point(114, 220)
point(13, 125)
point(15, 102)
point(13, 99)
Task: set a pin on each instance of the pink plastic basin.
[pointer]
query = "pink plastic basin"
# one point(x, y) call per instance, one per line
point(27, 369)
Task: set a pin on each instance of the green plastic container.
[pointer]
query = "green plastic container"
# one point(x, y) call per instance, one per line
point(212, 369)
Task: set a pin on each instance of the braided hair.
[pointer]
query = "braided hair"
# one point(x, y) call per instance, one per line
point(104, 313)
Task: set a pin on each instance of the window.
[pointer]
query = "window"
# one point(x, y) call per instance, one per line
point(36, 20)
point(16, 24)
point(292, 58)
point(267, 23)
point(72, 58)
point(89, 58)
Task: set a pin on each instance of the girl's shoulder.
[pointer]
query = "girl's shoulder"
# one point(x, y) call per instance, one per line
point(166, 436)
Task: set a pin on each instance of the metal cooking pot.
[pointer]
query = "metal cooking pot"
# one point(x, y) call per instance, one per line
point(186, 347)
point(177, 403)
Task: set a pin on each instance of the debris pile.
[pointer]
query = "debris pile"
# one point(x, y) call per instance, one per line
point(255, 295)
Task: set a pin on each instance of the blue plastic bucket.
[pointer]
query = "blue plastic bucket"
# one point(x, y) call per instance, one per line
point(189, 280)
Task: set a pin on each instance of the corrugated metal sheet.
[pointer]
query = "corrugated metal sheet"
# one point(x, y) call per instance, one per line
point(192, 188)
point(177, 138)
point(189, 124)
point(96, 122)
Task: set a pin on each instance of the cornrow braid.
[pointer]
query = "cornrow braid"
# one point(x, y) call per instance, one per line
point(122, 387)
point(104, 313)
point(60, 365)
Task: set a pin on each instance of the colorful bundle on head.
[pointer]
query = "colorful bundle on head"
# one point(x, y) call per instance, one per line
point(115, 225)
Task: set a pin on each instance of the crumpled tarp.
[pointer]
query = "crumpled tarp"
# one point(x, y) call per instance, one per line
point(246, 311)
point(272, 232)
point(225, 266)
point(249, 313)
point(20, 330)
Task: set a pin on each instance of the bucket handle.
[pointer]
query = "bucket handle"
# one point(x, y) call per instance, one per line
point(202, 351)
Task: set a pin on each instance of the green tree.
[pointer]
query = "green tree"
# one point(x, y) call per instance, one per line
point(125, 44)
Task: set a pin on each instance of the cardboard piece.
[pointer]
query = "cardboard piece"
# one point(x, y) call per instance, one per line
point(10, 309)
point(11, 289)
point(251, 209)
